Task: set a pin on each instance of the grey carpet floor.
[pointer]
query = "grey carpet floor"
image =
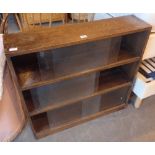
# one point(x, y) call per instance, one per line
point(126, 125)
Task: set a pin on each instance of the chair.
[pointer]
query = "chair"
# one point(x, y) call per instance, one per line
point(3, 22)
point(31, 21)
point(82, 17)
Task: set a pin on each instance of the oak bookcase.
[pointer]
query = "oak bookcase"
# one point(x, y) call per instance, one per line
point(73, 73)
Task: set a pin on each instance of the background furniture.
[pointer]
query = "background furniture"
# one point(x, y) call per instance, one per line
point(65, 78)
point(3, 22)
point(145, 87)
point(29, 21)
point(82, 17)
point(12, 118)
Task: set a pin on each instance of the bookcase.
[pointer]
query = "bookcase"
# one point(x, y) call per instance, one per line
point(73, 73)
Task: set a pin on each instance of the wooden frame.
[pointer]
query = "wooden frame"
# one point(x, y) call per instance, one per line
point(61, 77)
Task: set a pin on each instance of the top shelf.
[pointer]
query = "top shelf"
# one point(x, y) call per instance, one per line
point(71, 34)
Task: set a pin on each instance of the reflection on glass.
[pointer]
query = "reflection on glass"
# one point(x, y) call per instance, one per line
point(64, 62)
point(76, 89)
point(81, 109)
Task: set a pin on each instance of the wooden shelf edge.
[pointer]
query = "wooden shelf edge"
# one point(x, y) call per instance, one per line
point(137, 26)
point(101, 92)
point(47, 132)
point(67, 77)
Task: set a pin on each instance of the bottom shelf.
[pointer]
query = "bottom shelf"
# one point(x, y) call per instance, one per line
point(70, 115)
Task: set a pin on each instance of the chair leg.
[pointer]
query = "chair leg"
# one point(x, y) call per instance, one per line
point(18, 21)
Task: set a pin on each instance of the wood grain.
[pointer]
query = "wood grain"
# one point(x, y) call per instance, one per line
point(69, 34)
point(74, 90)
point(68, 73)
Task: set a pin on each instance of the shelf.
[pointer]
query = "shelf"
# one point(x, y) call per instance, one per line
point(69, 34)
point(46, 130)
point(32, 76)
point(69, 92)
point(59, 119)
point(64, 79)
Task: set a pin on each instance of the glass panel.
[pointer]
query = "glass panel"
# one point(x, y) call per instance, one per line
point(80, 110)
point(59, 93)
point(58, 63)
point(79, 57)
point(76, 89)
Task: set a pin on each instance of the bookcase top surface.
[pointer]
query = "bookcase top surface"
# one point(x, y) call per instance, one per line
point(71, 34)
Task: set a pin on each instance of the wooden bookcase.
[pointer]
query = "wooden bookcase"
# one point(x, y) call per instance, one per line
point(73, 73)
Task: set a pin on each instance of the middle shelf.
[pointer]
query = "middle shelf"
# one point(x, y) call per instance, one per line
point(54, 96)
